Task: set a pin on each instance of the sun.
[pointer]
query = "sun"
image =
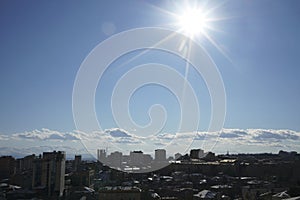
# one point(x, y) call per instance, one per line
point(192, 21)
point(197, 20)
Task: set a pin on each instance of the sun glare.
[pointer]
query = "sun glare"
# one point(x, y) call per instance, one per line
point(192, 22)
point(197, 20)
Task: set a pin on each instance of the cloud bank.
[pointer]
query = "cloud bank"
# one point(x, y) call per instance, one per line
point(234, 140)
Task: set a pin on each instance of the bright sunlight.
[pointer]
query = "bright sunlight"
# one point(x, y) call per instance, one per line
point(192, 21)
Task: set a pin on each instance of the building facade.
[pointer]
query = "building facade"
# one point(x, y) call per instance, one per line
point(160, 155)
point(49, 173)
point(197, 153)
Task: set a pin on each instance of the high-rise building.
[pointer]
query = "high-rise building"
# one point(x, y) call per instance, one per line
point(136, 158)
point(25, 164)
point(49, 172)
point(37, 172)
point(101, 155)
point(7, 166)
point(77, 162)
point(160, 155)
point(196, 153)
point(115, 159)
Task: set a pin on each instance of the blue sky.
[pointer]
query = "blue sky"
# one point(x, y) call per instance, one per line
point(43, 43)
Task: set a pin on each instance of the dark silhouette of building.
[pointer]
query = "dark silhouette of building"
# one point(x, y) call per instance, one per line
point(196, 153)
point(77, 163)
point(7, 166)
point(49, 173)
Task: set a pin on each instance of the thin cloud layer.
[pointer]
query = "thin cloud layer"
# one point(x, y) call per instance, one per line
point(123, 136)
point(45, 134)
point(239, 140)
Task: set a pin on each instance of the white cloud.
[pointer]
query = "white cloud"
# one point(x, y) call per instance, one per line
point(269, 134)
point(4, 137)
point(236, 140)
point(45, 134)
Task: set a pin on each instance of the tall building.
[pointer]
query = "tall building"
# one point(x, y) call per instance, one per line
point(25, 164)
point(77, 162)
point(197, 153)
point(37, 172)
point(115, 159)
point(101, 155)
point(49, 172)
point(7, 167)
point(136, 158)
point(160, 155)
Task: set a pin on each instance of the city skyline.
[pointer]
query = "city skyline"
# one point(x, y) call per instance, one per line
point(254, 46)
point(242, 141)
point(51, 176)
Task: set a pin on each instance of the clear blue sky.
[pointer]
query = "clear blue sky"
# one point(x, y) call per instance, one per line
point(43, 43)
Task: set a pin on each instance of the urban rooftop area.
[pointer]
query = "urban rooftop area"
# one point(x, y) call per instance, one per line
point(197, 175)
